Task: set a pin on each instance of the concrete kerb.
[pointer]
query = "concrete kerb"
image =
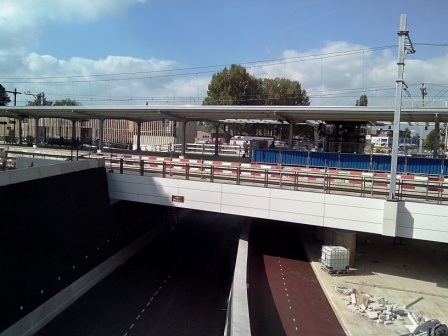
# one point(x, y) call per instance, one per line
point(239, 323)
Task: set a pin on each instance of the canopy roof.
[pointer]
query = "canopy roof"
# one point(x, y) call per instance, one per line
point(233, 114)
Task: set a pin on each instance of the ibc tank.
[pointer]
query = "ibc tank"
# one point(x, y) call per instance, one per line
point(335, 258)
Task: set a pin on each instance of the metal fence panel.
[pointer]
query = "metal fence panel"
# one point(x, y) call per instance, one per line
point(296, 158)
point(265, 156)
point(354, 161)
point(418, 165)
point(321, 159)
point(366, 162)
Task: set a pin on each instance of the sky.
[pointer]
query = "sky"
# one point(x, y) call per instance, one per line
point(137, 52)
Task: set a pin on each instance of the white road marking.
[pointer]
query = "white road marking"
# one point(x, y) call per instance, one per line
point(148, 303)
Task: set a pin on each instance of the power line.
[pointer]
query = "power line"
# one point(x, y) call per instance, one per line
point(192, 70)
point(433, 44)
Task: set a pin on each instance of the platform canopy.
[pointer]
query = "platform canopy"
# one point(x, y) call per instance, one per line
point(414, 116)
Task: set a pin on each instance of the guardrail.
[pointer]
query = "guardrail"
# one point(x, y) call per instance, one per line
point(363, 184)
point(425, 188)
point(198, 148)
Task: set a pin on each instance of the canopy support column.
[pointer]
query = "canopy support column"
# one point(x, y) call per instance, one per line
point(101, 135)
point(20, 130)
point(36, 132)
point(291, 134)
point(216, 139)
point(139, 131)
point(436, 136)
point(184, 137)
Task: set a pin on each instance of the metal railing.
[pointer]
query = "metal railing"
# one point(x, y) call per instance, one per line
point(424, 188)
point(368, 184)
point(198, 148)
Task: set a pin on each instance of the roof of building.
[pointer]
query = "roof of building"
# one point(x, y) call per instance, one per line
point(233, 114)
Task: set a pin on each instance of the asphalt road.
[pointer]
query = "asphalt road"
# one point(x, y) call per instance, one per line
point(179, 285)
point(285, 297)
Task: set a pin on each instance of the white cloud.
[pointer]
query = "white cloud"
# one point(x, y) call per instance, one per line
point(22, 22)
point(334, 77)
point(338, 74)
point(113, 80)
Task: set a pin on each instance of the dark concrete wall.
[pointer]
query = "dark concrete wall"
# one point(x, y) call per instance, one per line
point(55, 230)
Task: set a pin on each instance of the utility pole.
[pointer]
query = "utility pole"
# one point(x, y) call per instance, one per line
point(404, 47)
point(15, 93)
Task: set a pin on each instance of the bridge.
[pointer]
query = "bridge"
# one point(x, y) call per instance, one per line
point(326, 198)
point(339, 202)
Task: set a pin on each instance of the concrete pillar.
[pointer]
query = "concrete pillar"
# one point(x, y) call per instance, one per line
point(291, 133)
point(216, 138)
point(36, 132)
point(436, 136)
point(101, 135)
point(139, 131)
point(20, 130)
point(346, 239)
point(184, 137)
point(320, 233)
point(328, 236)
point(390, 218)
point(73, 131)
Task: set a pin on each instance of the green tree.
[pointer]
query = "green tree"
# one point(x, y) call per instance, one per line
point(40, 100)
point(232, 86)
point(235, 86)
point(282, 91)
point(429, 141)
point(66, 102)
point(362, 101)
point(4, 98)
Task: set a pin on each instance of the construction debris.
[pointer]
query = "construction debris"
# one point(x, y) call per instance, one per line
point(413, 302)
point(379, 310)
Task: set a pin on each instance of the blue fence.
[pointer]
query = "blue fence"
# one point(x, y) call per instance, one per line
point(365, 162)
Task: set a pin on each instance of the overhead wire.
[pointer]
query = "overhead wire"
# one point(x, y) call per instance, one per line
point(261, 63)
point(178, 72)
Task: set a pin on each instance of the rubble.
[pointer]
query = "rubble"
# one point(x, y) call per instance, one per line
point(379, 310)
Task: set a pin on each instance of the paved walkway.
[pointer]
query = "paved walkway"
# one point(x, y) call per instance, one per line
point(400, 273)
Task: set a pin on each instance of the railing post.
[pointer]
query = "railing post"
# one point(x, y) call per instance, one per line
point(405, 163)
point(212, 171)
point(121, 166)
point(339, 156)
point(164, 169)
point(142, 167)
point(187, 171)
point(238, 172)
point(266, 178)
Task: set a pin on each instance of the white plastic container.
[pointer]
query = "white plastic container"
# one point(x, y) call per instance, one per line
point(335, 258)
